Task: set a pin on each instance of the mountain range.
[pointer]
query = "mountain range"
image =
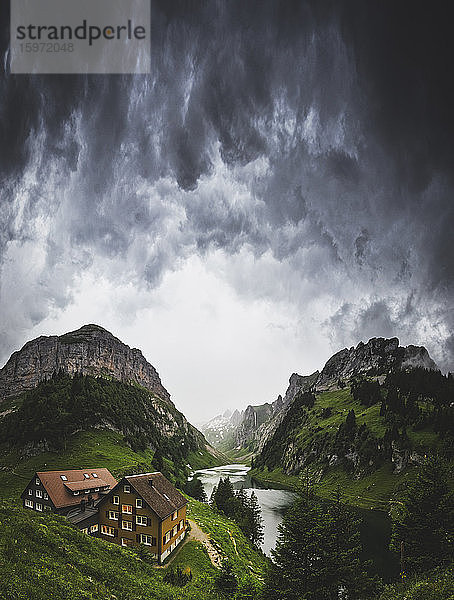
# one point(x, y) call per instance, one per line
point(66, 398)
point(373, 412)
point(377, 357)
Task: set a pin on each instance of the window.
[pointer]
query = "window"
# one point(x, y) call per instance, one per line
point(126, 508)
point(166, 538)
point(29, 503)
point(39, 506)
point(126, 525)
point(139, 503)
point(115, 499)
point(95, 475)
point(86, 491)
point(76, 493)
point(180, 525)
point(30, 492)
point(63, 478)
point(87, 476)
point(94, 528)
point(46, 507)
point(113, 515)
point(127, 489)
point(141, 520)
point(84, 530)
point(147, 540)
point(175, 515)
point(38, 493)
point(174, 531)
point(124, 542)
point(96, 489)
point(106, 530)
point(45, 496)
point(37, 481)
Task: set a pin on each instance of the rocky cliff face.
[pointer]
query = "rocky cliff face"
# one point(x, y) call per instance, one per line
point(260, 422)
point(253, 418)
point(378, 355)
point(91, 350)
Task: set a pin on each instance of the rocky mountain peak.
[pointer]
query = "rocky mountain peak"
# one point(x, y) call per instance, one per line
point(90, 350)
point(378, 355)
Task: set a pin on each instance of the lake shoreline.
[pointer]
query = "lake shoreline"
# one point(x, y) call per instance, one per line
point(275, 497)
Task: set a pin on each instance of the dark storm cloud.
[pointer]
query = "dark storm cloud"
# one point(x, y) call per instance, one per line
point(320, 132)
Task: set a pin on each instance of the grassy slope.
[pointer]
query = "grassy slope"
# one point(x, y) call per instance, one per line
point(95, 448)
point(208, 457)
point(239, 455)
point(228, 537)
point(340, 402)
point(432, 586)
point(372, 491)
point(43, 556)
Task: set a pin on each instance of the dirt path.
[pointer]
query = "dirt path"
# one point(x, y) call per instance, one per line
point(199, 535)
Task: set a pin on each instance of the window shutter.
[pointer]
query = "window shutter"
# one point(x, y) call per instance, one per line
point(134, 526)
point(107, 513)
point(133, 509)
point(137, 537)
point(115, 533)
point(153, 541)
point(148, 522)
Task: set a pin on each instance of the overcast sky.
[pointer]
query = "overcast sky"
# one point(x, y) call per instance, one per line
point(279, 187)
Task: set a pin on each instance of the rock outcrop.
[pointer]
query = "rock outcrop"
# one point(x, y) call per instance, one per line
point(377, 356)
point(91, 350)
point(260, 422)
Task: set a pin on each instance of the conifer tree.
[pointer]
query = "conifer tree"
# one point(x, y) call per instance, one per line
point(317, 554)
point(256, 535)
point(423, 520)
point(194, 488)
point(226, 580)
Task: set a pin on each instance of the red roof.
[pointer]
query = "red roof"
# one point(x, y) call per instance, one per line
point(59, 489)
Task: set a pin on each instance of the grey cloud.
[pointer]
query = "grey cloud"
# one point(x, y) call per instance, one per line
point(349, 112)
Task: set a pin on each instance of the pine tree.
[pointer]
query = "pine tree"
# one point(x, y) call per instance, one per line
point(423, 520)
point(243, 513)
point(226, 580)
point(317, 554)
point(350, 421)
point(223, 495)
point(256, 535)
point(212, 500)
point(194, 488)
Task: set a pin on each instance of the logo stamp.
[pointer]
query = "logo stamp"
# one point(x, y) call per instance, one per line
point(80, 36)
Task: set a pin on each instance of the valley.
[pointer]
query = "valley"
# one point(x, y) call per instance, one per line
point(360, 430)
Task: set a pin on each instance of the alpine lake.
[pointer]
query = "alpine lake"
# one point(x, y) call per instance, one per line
point(375, 527)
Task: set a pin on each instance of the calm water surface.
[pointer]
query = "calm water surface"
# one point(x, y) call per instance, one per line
point(375, 528)
point(273, 502)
